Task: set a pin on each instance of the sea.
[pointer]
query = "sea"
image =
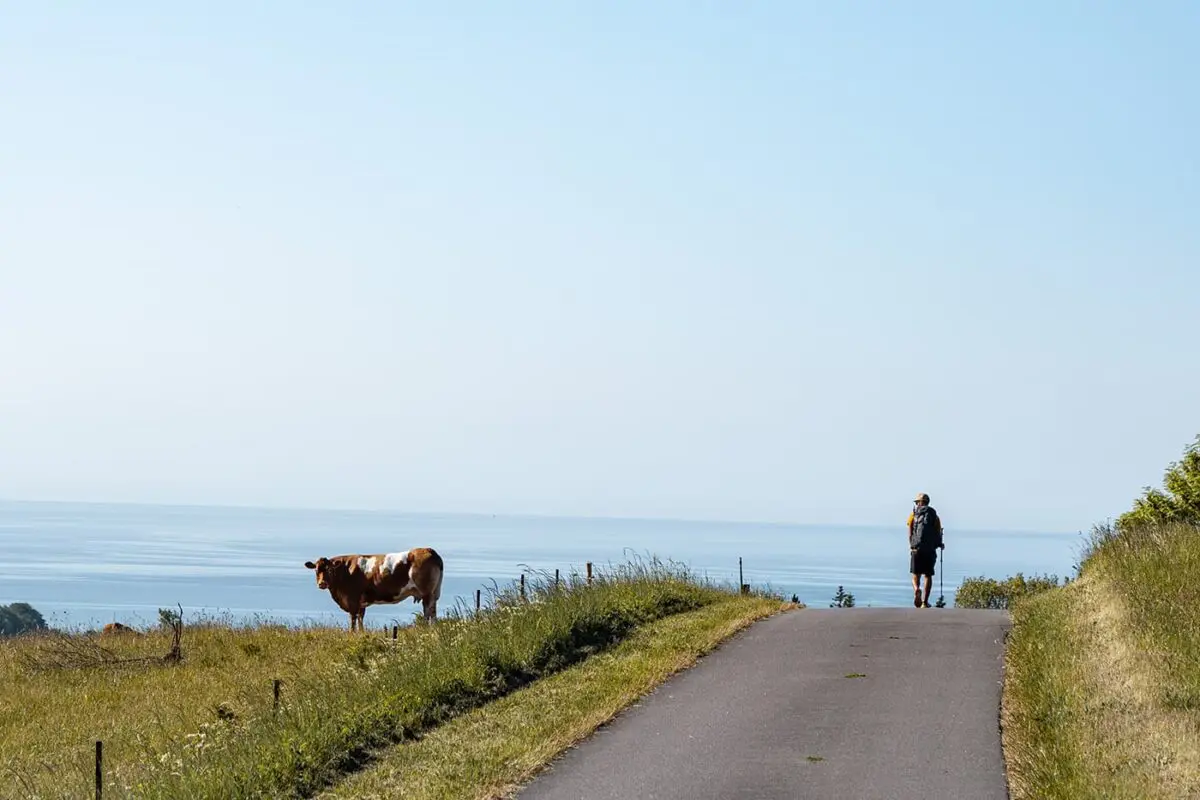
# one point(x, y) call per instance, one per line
point(83, 565)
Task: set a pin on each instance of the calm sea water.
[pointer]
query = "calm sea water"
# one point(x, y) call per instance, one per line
point(83, 565)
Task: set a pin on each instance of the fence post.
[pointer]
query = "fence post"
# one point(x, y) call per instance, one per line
point(556, 579)
point(395, 632)
point(275, 694)
point(522, 585)
point(742, 587)
point(99, 769)
point(589, 571)
point(476, 601)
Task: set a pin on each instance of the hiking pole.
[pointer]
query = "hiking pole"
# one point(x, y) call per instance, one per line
point(941, 601)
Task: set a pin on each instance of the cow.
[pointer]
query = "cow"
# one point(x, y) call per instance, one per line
point(117, 629)
point(359, 580)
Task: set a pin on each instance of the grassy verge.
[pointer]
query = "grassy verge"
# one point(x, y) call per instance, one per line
point(1102, 690)
point(206, 727)
point(490, 751)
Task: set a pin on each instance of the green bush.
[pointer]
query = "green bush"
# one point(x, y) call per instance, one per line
point(984, 592)
point(20, 618)
point(1175, 507)
point(1178, 502)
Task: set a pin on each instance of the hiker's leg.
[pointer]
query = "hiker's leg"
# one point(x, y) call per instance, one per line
point(914, 567)
point(928, 588)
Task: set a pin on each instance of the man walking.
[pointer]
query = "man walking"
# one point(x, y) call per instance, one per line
point(924, 539)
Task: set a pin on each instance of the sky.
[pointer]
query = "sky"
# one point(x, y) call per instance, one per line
point(788, 261)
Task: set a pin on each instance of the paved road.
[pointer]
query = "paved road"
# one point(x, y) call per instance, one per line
point(771, 714)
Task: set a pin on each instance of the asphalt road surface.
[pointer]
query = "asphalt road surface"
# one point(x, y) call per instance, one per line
point(773, 714)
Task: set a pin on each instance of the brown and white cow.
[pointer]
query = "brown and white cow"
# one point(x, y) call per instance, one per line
point(357, 581)
point(117, 629)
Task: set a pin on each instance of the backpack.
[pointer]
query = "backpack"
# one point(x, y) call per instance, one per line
point(926, 530)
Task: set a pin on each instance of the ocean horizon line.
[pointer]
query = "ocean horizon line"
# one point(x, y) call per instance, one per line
point(615, 518)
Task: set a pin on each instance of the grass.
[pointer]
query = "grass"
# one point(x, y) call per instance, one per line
point(1102, 688)
point(492, 750)
point(206, 728)
point(1157, 575)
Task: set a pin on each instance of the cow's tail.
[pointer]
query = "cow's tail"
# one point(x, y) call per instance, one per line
point(437, 581)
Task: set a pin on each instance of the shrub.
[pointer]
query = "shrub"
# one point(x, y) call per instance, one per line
point(1175, 507)
point(20, 618)
point(1177, 502)
point(984, 592)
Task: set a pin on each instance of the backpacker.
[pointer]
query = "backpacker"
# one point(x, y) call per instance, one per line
point(926, 529)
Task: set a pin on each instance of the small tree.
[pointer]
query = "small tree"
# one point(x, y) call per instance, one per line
point(20, 618)
point(842, 599)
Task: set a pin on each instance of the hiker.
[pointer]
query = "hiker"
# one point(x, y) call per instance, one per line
point(924, 539)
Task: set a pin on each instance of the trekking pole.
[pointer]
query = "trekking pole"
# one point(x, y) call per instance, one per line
point(941, 601)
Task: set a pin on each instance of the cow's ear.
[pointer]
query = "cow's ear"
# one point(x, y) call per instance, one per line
point(310, 565)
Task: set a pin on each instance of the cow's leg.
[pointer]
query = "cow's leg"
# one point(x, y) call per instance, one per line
point(429, 606)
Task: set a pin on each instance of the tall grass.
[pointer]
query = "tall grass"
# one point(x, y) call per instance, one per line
point(206, 728)
point(1102, 688)
point(1047, 743)
point(1155, 569)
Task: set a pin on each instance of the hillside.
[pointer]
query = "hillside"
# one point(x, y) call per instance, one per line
point(1102, 694)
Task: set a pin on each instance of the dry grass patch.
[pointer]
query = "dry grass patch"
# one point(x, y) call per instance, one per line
point(492, 750)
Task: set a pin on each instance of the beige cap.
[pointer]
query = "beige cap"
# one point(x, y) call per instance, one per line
point(922, 498)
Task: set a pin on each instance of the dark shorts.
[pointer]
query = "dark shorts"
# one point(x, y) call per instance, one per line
point(922, 561)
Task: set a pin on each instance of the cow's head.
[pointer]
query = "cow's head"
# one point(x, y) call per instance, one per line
point(323, 569)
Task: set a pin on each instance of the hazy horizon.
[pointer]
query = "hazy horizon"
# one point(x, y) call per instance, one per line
point(533, 515)
point(780, 262)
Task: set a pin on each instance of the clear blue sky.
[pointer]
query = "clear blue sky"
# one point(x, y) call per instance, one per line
point(772, 261)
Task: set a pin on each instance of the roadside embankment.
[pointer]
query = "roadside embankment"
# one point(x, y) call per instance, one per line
point(1102, 688)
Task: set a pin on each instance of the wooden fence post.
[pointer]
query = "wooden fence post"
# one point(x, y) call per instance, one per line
point(395, 632)
point(589, 571)
point(742, 587)
point(476, 601)
point(522, 585)
point(275, 692)
point(99, 770)
point(556, 579)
